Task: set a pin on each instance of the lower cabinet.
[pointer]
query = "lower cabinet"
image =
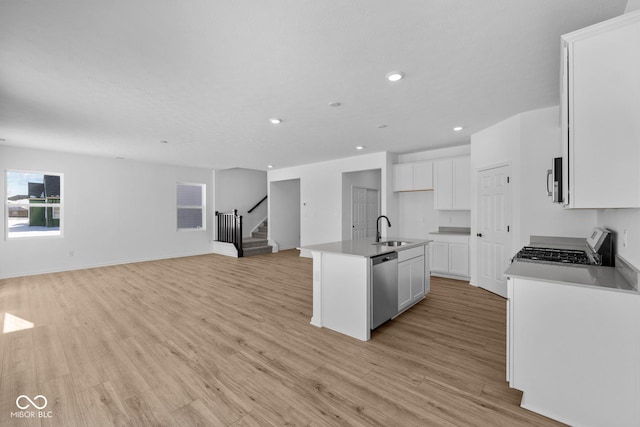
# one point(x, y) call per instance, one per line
point(573, 351)
point(413, 279)
point(449, 255)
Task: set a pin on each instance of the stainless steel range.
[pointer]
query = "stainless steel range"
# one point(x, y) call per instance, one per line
point(598, 250)
point(566, 256)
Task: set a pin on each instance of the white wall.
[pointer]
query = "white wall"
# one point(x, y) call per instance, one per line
point(284, 220)
point(241, 189)
point(527, 142)
point(321, 193)
point(632, 5)
point(540, 143)
point(417, 216)
point(619, 220)
point(115, 211)
point(365, 179)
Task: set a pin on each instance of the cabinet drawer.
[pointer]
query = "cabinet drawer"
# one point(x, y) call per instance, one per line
point(406, 254)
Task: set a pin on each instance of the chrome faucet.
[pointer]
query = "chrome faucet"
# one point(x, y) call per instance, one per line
point(378, 226)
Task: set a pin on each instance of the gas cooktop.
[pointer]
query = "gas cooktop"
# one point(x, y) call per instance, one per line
point(563, 256)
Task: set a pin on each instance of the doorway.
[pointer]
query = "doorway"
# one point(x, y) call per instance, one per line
point(494, 230)
point(364, 211)
point(284, 214)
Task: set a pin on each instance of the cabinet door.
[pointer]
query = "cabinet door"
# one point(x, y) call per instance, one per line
point(417, 278)
point(403, 177)
point(461, 183)
point(439, 257)
point(423, 176)
point(604, 105)
point(459, 259)
point(404, 284)
point(443, 195)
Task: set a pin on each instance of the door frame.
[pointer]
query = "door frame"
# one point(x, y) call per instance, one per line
point(478, 217)
point(379, 207)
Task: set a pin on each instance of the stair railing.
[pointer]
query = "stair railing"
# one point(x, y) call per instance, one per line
point(229, 229)
point(258, 204)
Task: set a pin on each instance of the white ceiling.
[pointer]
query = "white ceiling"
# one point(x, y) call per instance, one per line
point(114, 78)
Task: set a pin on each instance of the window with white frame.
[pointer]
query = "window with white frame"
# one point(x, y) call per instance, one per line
point(191, 206)
point(33, 204)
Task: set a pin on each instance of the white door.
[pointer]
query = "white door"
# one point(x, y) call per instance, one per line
point(493, 234)
point(364, 212)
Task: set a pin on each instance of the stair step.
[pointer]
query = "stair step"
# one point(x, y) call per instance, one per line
point(259, 235)
point(252, 242)
point(258, 250)
point(263, 228)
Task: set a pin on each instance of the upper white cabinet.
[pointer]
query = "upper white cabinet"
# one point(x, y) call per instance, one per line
point(452, 179)
point(413, 176)
point(601, 114)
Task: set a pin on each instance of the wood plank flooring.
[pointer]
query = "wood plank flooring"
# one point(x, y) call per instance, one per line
point(212, 340)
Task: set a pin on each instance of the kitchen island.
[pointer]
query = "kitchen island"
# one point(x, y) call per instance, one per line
point(342, 281)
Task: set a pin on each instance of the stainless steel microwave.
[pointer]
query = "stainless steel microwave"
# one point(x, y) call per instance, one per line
point(554, 181)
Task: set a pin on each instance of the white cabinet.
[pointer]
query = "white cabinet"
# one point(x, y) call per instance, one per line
point(413, 278)
point(452, 182)
point(439, 256)
point(601, 114)
point(459, 259)
point(573, 351)
point(449, 256)
point(413, 176)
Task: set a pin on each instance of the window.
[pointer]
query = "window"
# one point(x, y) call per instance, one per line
point(33, 204)
point(191, 206)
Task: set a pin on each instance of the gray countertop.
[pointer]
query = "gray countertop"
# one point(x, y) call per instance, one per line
point(365, 247)
point(608, 278)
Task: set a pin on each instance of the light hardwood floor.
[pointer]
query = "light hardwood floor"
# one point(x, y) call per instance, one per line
point(212, 340)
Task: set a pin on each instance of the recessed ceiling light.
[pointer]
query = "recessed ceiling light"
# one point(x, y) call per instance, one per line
point(360, 147)
point(275, 121)
point(382, 126)
point(164, 142)
point(458, 128)
point(119, 158)
point(335, 104)
point(395, 76)
point(270, 166)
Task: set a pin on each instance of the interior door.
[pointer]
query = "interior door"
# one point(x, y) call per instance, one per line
point(364, 211)
point(494, 239)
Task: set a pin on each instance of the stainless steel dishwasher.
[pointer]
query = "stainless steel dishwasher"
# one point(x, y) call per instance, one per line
point(384, 295)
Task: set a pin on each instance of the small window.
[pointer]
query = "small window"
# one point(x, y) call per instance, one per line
point(191, 206)
point(33, 204)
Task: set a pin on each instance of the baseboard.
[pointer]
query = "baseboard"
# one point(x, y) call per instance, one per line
point(105, 264)
point(450, 276)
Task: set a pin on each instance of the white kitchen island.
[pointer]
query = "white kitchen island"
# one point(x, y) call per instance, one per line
point(342, 282)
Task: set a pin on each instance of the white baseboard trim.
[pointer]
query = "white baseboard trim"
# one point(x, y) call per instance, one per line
point(450, 276)
point(98, 265)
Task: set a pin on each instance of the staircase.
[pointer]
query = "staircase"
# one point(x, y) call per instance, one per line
point(257, 244)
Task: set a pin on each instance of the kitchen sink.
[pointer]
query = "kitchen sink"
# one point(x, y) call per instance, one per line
point(391, 243)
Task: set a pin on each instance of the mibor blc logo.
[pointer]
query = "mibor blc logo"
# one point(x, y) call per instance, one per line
point(36, 404)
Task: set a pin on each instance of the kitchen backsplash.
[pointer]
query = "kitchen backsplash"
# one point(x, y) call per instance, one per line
point(619, 220)
point(454, 218)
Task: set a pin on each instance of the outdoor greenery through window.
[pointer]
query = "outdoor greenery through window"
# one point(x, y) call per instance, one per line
point(33, 204)
point(191, 206)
